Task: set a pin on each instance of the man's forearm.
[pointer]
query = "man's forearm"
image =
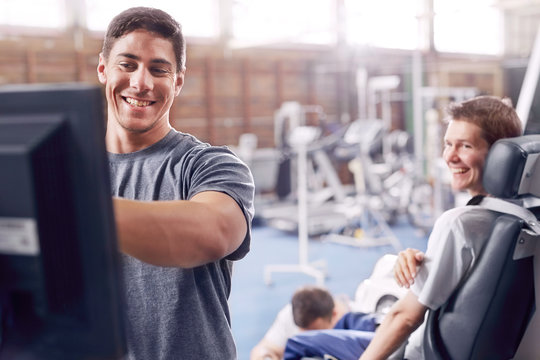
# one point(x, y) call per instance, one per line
point(404, 317)
point(179, 233)
point(388, 339)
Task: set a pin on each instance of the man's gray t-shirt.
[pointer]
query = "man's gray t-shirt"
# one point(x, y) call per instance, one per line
point(176, 313)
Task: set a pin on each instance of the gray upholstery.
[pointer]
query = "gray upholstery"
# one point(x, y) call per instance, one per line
point(510, 169)
point(488, 314)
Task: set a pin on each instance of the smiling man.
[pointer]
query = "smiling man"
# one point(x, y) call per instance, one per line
point(465, 151)
point(183, 208)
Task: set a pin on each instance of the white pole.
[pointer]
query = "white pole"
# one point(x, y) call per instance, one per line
point(302, 204)
point(528, 88)
point(361, 84)
point(417, 112)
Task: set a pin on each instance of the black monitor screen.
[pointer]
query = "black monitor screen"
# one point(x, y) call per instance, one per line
point(60, 282)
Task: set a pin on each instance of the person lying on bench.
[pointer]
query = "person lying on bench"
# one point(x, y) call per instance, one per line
point(311, 308)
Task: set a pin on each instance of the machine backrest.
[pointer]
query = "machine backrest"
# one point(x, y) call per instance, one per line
point(512, 169)
point(486, 317)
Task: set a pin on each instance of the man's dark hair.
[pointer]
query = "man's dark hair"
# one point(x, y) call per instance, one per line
point(495, 116)
point(150, 19)
point(310, 303)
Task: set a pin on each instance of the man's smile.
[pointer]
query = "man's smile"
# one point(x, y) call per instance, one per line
point(459, 170)
point(137, 103)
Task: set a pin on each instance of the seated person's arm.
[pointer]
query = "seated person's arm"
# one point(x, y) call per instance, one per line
point(406, 266)
point(266, 350)
point(404, 317)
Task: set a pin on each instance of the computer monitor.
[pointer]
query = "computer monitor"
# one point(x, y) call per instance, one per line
point(60, 281)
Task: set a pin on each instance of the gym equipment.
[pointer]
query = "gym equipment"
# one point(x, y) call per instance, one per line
point(387, 186)
point(366, 225)
point(378, 293)
point(324, 188)
point(492, 314)
point(300, 138)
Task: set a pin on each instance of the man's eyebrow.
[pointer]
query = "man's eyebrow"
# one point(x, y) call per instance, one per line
point(138, 58)
point(129, 55)
point(461, 139)
point(161, 61)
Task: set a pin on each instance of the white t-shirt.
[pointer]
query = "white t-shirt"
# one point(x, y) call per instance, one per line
point(282, 328)
point(458, 236)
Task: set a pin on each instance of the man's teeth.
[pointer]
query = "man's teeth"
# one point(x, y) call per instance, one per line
point(458, 171)
point(135, 102)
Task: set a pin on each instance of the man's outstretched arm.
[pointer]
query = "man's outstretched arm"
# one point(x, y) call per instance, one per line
point(182, 233)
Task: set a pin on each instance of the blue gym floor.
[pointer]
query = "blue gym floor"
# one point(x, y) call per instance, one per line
point(255, 304)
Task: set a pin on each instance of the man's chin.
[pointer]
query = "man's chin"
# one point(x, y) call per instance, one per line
point(458, 187)
point(137, 127)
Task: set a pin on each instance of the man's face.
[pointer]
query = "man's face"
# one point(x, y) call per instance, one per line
point(465, 151)
point(141, 81)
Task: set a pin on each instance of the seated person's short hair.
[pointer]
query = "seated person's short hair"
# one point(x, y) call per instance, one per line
point(310, 303)
point(494, 116)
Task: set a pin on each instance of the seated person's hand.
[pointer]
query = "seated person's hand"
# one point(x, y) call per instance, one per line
point(406, 266)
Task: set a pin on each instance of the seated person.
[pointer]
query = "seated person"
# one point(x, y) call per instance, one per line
point(311, 308)
point(457, 237)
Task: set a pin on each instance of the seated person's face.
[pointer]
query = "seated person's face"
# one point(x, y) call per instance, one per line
point(320, 324)
point(465, 152)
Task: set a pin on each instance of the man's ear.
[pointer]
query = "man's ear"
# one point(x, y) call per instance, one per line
point(101, 73)
point(179, 81)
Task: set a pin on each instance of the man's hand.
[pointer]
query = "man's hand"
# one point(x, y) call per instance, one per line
point(406, 266)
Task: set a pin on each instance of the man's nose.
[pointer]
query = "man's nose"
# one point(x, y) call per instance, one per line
point(450, 154)
point(141, 80)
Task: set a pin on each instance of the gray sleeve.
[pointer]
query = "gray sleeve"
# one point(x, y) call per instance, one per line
point(447, 259)
point(218, 169)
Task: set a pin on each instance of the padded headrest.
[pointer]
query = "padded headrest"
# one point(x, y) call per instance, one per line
point(512, 167)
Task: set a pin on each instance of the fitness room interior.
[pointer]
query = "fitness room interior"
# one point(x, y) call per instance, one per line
point(338, 109)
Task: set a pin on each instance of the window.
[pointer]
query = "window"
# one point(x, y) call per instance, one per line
point(30, 13)
point(279, 21)
point(198, 18)
point(383, 23)
point(467, 26)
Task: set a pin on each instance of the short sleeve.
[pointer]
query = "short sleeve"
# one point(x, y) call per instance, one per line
point(447, 259)
point(216, 168)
